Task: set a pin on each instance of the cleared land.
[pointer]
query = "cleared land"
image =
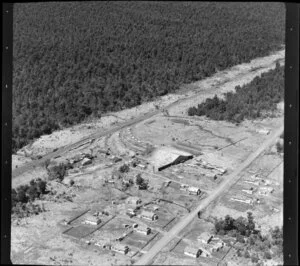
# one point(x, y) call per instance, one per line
point(98, 189)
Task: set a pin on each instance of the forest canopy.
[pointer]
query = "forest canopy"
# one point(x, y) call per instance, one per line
point(250, 101)
point(73, 60)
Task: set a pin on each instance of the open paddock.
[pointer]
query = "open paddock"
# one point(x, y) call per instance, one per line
point(80, 231)
point(138, 241)
point(113, 229)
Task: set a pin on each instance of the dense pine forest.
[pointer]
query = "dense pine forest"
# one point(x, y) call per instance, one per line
point(250, 101)
point(74, 60)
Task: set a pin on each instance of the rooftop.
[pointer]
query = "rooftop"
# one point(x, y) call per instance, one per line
point(191, 250)
point(166, 155)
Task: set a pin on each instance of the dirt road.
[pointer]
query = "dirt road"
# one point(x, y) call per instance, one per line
point(224, 186)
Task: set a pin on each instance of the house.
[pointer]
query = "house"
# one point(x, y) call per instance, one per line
point(142, 166)
point(167, 183)
point(252, 182)
point(120, 248)
point(247, 201)
point(265, 190)
point(76, 159)
point(248, 191)
point(148, 215)
point(221, 170)
point(267, 182)
point(116, 159)
point(205, 237)
point(192, 252)
point(194, 190)
point(86, 161)
point(155, 207)
point(143, 229)
point(263, 131)
point(133, 201)
point(183, 187)
point(130, 212)
point(93, 220)
point(216, 246)
point(204, 252)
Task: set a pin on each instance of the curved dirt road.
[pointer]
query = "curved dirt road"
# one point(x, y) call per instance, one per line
point(224, 186)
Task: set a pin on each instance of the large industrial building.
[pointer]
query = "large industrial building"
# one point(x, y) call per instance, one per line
point(166, 156)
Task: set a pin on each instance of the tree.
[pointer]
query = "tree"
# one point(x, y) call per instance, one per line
point(267, 255)
point(240, 238)
point(247, 254)
point(251, 240)
point(32, 193)
point(139, 180)
point(21, 196)
point(240, 225)
point(239, 253)
point(254, 258)
point(57, 172)
point(124, 168)
point(228, 223)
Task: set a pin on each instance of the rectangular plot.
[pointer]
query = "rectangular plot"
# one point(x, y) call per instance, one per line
point(80, 231)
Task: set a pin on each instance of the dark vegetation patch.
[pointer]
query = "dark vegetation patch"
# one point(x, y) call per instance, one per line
point(247, 102)
point(75, 60)
point(23, 196)
point(255, 244)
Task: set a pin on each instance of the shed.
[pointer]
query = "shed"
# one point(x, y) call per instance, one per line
point(192, 252)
